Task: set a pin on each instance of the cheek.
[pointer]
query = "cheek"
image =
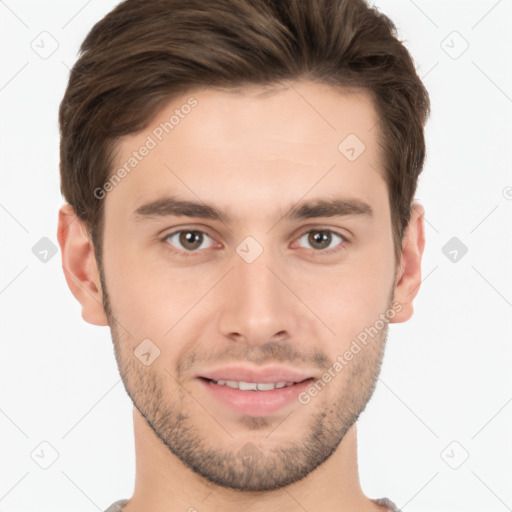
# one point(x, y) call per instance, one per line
point(149, 296)
point(352, 297)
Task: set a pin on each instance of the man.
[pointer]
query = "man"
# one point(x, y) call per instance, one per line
point(240, 180)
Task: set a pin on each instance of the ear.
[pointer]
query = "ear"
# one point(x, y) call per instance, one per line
point(408, 279)
point(79, 265)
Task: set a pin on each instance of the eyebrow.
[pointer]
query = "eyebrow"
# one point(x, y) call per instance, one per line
point(172, 206)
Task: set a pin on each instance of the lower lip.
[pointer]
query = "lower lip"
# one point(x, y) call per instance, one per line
point(256, 403)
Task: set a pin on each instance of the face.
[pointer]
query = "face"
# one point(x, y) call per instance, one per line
point(273, 274)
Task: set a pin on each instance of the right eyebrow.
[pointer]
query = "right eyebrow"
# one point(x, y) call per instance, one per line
point(172, 206)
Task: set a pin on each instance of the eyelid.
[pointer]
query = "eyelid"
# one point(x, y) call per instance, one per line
point(178, 251)
point(304, 231)
point(326, 252)
point(343, 233)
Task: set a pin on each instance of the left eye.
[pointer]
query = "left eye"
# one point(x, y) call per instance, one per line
point(189, 240)
point(321, 239)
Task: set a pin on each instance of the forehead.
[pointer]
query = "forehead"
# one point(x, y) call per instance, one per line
point(282, 117)
point(255, 142)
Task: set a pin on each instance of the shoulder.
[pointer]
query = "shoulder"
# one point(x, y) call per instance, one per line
point(117, 506)
point(386, 502)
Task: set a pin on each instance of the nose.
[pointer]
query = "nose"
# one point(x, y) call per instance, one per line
point(258, 304)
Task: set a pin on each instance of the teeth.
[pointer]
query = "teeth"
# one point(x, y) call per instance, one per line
point(252, 386)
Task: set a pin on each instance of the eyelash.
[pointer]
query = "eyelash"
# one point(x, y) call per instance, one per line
point(320, 252)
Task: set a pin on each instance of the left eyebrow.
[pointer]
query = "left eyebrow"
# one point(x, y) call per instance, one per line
point(329, 208)
point(172, 206)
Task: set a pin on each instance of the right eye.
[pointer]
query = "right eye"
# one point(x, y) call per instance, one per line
point(188, 240)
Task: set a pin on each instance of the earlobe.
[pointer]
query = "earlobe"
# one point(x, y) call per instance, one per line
point(79, 266)
point(409, 274)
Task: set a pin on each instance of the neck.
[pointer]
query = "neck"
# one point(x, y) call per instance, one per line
point(164, 484)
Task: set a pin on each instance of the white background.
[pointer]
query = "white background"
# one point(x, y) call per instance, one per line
point(446, 376)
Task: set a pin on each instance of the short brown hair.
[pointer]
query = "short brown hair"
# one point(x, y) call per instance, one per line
point(143, 53)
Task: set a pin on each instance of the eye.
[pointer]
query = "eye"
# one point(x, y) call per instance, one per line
point(322, 240)
point(188, 239)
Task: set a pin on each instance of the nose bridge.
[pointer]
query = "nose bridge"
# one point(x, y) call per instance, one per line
point(255, 282)
point(258, 304)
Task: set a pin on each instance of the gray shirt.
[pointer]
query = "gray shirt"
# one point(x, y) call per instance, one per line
point(118, 505)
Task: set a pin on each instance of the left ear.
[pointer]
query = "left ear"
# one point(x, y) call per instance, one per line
point(408, 279)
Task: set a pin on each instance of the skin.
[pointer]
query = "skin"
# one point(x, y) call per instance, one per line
point(254, 154)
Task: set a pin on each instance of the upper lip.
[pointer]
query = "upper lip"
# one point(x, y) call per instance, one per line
point(262, 375)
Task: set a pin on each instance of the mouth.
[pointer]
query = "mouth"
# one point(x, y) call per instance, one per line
point(255, 398)
point(254, 386)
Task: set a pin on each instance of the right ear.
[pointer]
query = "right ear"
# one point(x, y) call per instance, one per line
point(79, 265)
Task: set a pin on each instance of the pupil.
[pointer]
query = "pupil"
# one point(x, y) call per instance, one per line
point(320, 237)
point(191, 239)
